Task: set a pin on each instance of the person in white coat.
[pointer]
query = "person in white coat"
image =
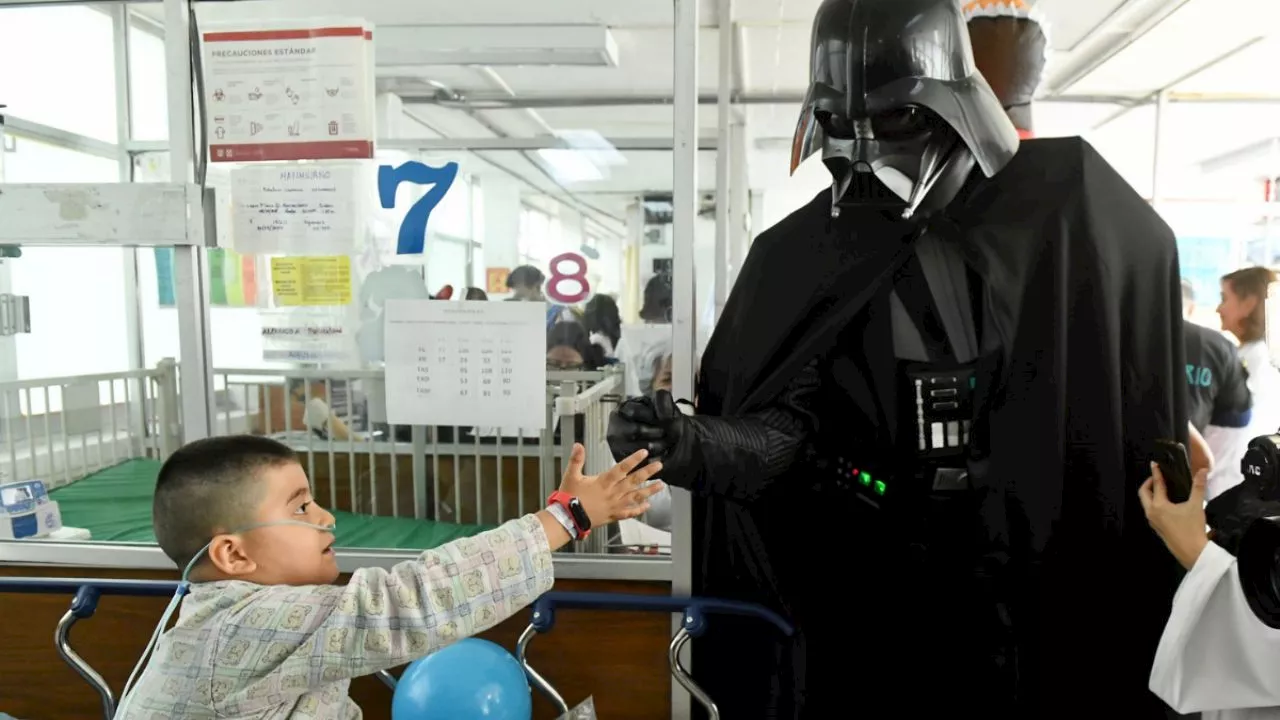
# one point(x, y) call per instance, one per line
point(1215, 657)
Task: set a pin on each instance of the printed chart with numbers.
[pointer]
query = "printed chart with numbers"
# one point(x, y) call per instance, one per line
point(470, 363)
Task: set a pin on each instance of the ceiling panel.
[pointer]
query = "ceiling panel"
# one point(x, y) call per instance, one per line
point(645, 67)
point(438, 12)
point(1197, 33)
point(1250, 72)
point(630, 121)
point(1070, 21)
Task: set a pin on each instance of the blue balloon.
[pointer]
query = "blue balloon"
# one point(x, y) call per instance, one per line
point(470, 679)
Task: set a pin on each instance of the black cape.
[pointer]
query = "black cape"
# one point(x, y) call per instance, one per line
point(1083, 283)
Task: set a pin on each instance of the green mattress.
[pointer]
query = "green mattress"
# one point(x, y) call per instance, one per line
point(114, 505)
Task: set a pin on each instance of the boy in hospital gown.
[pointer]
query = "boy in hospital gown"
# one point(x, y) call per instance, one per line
point(1215, 656)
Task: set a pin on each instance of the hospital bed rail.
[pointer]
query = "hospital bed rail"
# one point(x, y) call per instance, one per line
point(279, 403)
point(60, 429)
point(84, 603)
point(695, 612)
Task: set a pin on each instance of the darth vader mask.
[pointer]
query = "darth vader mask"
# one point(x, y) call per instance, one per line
point(896, 106)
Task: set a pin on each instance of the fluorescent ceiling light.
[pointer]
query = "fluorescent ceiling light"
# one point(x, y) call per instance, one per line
point(401, 48)
point(571, 166)
point(593, 146)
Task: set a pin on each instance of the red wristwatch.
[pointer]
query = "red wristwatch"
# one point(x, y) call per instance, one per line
point(568, 510)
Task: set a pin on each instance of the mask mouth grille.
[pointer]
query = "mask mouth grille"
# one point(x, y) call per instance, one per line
point(864, 188)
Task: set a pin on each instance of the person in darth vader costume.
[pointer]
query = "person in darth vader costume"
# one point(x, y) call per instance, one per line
point(923, 418)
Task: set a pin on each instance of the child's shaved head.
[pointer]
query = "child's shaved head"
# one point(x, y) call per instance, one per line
point(209, 487)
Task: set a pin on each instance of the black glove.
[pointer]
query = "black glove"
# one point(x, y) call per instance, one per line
point(654, 424)
point(734, 457)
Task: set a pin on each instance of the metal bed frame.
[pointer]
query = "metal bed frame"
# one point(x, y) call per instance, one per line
point(87, 591)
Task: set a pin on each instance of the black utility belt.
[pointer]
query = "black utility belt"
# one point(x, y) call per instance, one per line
point(884, 484)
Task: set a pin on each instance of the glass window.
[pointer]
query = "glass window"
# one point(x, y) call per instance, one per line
point(45, 82)
point(453, 215)
point(447, 265)
point(148, 84)
point(78, 303)
point(536, 236)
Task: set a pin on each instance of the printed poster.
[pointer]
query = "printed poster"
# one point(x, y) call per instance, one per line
point(296, 91)
point(471, 363)
point(310, 281)
point(496, 280)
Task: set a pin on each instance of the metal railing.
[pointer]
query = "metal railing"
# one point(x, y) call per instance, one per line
point(61, 429)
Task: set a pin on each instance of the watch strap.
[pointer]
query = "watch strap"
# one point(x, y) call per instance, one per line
point(567, 504)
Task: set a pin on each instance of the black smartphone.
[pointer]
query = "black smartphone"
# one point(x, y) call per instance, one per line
point(1171, 456)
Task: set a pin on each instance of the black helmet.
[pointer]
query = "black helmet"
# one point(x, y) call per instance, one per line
point(897, 106)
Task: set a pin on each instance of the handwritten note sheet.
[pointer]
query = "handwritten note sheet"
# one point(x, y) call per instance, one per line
point(312, 209)
point(470, 363)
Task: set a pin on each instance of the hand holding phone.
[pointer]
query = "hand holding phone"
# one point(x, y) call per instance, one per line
point(1171, 456)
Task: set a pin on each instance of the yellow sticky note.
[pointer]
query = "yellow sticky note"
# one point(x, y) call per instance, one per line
point(303, 281)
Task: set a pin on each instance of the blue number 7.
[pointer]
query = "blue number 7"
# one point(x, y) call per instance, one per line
point(413, 229)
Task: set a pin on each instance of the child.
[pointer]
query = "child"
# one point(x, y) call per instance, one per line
point(264, 634)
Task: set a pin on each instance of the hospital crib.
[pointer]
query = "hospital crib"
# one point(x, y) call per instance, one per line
point(94, 437)
point(695, 612)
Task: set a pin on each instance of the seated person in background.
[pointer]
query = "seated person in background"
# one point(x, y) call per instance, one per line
point(638, 342)
point(603, 321)
point(1215, 656)
point(569, 347)
point(475, 293)
point(316, 414)
point(525, 284)
point(264, 632)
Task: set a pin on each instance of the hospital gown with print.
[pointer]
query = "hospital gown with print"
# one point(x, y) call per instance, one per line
point(241, 650)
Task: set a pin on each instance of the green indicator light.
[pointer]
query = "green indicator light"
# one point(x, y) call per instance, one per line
point(973, 382)
point(865, 478)
point(880, 487)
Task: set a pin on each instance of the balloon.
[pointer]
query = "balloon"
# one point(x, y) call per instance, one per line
point(470, 679)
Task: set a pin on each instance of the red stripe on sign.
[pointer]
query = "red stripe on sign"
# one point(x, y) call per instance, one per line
point(254, 35)
point(319, 150)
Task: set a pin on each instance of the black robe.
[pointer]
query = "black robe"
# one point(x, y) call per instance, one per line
point(1083, 287)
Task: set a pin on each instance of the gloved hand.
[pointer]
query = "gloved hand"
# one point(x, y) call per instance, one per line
point(654, 424)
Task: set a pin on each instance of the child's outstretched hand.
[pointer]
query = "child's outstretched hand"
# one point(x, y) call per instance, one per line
point(615, 494)
point(1179, 525)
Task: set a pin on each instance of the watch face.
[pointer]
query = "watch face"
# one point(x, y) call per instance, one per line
point(579, 515)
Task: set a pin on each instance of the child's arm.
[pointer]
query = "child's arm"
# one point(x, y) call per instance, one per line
point(382, 619)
